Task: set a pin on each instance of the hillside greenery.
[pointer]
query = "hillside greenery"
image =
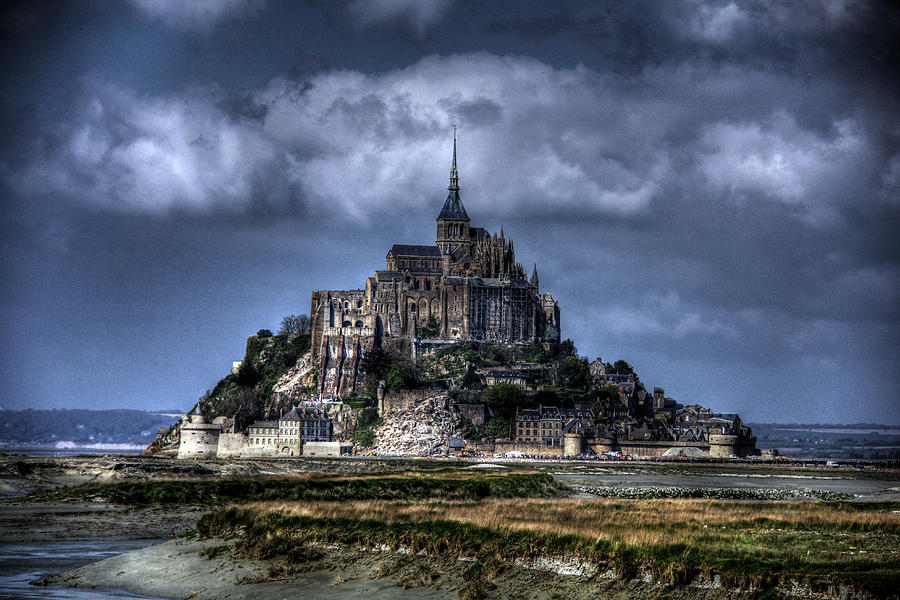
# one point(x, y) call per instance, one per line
point(244, 394)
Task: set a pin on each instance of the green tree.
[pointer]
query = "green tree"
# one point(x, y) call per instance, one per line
point(247, 376)
point(503, 396)
point(402, 375)
point(376, 362)
point(368, 418)
point(364, 438)
point(621, 367)
point(499, 428)
point(573, 372)
point(567, 348)
point(431, 329)
point(604, 393)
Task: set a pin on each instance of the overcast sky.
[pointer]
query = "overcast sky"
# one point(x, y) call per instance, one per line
point(711, 190)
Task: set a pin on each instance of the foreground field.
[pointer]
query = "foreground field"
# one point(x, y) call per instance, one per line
point(446, 532)
point(747, 545)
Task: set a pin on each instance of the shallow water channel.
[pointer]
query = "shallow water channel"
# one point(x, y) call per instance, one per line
point(21, 562)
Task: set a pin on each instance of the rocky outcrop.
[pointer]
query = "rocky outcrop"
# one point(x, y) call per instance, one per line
point(421, 430)
point(300, 378)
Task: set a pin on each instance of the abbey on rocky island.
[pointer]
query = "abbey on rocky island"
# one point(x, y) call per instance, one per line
point(466, 287)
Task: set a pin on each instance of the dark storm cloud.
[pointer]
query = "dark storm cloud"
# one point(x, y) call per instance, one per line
point(243, 106)
point(710, 189)
point(478, 112)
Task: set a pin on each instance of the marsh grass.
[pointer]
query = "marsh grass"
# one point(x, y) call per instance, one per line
point(452, 484)
point(746, 543)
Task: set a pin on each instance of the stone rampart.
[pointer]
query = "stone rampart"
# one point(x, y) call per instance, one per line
point(572, 444)
point(723, 446)
point(199, 440)
point(231, 444)
point(529, 448)
point(325, 449)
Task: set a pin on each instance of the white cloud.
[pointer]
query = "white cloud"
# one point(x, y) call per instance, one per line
point(559, 143)
point(127, 152)
point(655, 314)
point(779, 160)
point(418, 15)
point(199, 15)
point(717, 23)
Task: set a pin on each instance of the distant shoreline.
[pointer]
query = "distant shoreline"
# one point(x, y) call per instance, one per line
point(69, 451)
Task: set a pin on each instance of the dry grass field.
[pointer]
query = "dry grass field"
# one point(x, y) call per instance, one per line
point(747, 543)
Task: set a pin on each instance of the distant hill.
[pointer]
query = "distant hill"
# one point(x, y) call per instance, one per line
point(80, 427)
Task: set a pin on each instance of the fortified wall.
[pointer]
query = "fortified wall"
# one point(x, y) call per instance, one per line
point(199, 439)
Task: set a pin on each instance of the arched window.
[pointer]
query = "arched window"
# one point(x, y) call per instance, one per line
point(359, 304)
point(347, 324)
point(346, 304)
point(359, 324)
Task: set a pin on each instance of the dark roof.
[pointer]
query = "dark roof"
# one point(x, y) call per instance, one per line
point(410, 250)
point(500, 373)
point(528, 414)
point(550, 412)
point(578, 413)
point(453, 208)
point(291, 416)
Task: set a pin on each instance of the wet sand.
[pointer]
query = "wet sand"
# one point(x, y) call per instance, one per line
point(35, 522)
point(176, 569)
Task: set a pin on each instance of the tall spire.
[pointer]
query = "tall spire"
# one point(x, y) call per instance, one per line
point(454, 175)
point(453, 209)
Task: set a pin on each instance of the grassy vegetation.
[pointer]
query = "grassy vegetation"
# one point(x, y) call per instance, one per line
point(747, 544)
point(243, 394)
point(450, 360)
point(405, 486)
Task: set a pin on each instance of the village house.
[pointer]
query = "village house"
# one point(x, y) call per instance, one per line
point(547, 424)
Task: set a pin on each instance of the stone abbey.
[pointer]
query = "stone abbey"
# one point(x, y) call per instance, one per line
point(467, 286)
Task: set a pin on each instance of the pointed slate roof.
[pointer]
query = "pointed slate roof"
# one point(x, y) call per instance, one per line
point(413, 250)
point(453, 209)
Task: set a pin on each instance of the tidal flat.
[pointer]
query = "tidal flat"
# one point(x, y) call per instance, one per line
point(430, 529)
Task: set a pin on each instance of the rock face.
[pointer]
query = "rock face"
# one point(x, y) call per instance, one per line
point(292, 385)
point(421, 430)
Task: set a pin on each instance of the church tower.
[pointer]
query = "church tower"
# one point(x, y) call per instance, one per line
point(453, 222)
